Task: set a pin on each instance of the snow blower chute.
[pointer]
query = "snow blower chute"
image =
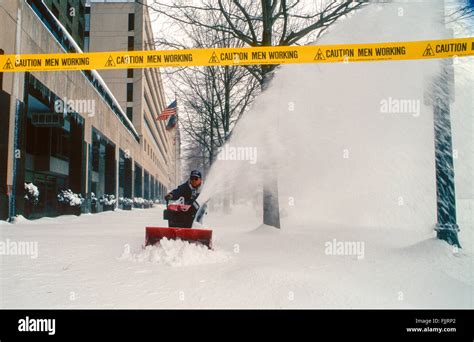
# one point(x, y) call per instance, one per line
point(180, 219)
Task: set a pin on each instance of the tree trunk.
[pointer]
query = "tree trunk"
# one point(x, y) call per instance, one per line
point(271, 206)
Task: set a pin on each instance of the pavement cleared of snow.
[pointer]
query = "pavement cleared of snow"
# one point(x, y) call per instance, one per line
point(177, 253)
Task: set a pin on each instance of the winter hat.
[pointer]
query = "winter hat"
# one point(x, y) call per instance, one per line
point(195, 173)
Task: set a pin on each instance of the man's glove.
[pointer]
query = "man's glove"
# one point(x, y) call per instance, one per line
point(169, 196)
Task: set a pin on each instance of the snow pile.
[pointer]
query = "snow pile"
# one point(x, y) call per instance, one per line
point(70, 198)
point(20, 219)
point(177, 253)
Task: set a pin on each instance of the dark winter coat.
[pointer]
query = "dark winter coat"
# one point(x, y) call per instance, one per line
point(186, 191)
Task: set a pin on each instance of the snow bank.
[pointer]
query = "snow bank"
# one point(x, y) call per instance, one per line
point(177, 253)
point(20, 219)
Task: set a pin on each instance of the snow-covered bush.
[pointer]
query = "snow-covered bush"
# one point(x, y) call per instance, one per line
point(107, 200)
point(31, 193)
point(67, 197)
point(125, 201)
point(138, 202)
point(93, 199)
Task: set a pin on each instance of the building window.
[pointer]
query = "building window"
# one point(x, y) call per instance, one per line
point(129, 73)
point(59, 143)
point(87, 19)
point(131, 43)
point(131, 21)
point(86, 43)
point(130, 113)
point(129, 92)
point(138, 181)
point(81, 30)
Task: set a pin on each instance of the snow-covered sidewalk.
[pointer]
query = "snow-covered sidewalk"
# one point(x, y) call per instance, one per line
point(97, 261)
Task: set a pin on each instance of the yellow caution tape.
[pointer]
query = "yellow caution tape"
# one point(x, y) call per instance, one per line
point(394, 51)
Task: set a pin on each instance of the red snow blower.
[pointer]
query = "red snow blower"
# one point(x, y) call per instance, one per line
point(180, 219)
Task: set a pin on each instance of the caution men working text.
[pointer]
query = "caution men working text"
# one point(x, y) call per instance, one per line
point(394, 51)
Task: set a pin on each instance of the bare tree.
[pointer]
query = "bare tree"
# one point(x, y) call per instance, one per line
point(260, 23)
point(461, 13)
point(465, 11)
point(212, 98)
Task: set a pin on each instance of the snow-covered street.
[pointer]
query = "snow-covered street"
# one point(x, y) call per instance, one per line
point(97, 261)
point(167, 166)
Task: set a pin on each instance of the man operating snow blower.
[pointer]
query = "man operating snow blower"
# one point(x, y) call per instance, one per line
point(181, 216)
point(189, 191)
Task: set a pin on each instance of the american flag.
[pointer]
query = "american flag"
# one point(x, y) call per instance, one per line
point(172, 122)
point(168, 111)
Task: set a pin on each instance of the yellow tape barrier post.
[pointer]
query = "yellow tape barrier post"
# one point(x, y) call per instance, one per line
point(394, 51)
